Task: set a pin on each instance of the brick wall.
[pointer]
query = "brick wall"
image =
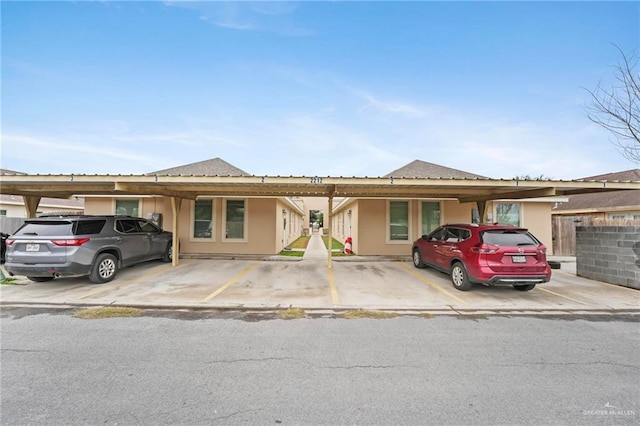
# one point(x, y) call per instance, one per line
point(609, 253)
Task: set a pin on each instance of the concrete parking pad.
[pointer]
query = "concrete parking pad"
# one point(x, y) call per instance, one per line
point(310, 284)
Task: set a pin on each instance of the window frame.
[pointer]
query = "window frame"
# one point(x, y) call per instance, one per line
point(115, 206)
point(223, 222)
point(388, 223)
point(420, 210)
point(520, 212)
point(192, 219)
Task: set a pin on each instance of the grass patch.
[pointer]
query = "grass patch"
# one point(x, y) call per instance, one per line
point(292, 313)
point(300, 243)
point(10, 281)
point(341, 254)
point(107, 312)
point(361, 313)
point(335, 245)
point(291, 253)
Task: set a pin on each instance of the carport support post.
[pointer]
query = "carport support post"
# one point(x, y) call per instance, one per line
point(329, 219)
point(31, 204)
point(482, 211)
point(176, 203)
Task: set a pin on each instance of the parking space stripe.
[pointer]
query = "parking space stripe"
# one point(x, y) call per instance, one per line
point(155, 271)
point(431, 283)
point(562, 295)
point(332, 286)
point(230, 282)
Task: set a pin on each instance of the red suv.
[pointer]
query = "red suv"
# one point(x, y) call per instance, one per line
point(484, 254)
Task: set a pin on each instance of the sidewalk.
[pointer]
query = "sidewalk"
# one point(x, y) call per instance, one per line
point(315, 249)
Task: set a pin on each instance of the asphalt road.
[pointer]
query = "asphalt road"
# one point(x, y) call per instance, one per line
point(181, 368)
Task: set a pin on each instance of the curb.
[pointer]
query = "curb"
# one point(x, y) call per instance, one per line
point(335, 310)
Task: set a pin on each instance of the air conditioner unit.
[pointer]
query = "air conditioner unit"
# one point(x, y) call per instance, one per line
point(155, 218)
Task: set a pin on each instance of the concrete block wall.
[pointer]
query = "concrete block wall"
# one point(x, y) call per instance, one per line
point(609, 253)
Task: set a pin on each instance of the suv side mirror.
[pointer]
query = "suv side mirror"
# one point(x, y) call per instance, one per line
point(425, 237)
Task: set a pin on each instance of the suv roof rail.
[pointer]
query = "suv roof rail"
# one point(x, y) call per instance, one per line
point(462, 224)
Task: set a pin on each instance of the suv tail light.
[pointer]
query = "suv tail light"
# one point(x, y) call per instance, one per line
point(542, 249)
point(70, 243)
point(484, 248)
point(9, 242)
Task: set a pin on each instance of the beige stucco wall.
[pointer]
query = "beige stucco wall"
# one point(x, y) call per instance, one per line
point(343, 225)
point(289, 231)
point(455, 212)
point(371, 223)
point(537, 218)
point(265, 233)
point(19, 210)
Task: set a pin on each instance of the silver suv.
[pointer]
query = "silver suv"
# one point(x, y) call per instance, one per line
point(98, 246)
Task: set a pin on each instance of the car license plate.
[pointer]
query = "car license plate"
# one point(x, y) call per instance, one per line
point(519, 259)
point(33, 247)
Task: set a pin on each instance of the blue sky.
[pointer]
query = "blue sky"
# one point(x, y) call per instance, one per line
point(310, 88)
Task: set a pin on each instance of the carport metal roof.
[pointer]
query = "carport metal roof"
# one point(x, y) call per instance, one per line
point(478, 190)
point(190, 187)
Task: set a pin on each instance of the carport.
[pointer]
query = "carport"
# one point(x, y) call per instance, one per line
point(34, 187)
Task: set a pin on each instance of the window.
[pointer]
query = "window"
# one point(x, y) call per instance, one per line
point(475, 216)
point(508, 238)
point(127, 226)
point(127, 207)
point(430, 216)
point(438, 234)
point(202, 219)
point(3, 212)
point(398, 220)
point(146, 226)
point(235, 219)
point(455, 235)
point(508, 214)
point(88, 227)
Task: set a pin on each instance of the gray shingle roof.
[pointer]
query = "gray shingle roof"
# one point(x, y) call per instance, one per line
point(422, 169)
point(8, 172)
point(605, 200)
point(214, 167)
point(632, 175)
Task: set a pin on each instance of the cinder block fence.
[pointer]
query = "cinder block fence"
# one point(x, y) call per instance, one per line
point(609, 253)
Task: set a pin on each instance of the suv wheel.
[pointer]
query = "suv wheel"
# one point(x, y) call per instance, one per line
point(417, 259)
point(40, 279)
point(525, 287)
point(459, 277)
point(104, 268)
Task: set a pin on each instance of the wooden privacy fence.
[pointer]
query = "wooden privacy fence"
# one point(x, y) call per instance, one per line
point(564, 233)
point(564, 230)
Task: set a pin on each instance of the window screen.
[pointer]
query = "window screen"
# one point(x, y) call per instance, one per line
point(398, 220)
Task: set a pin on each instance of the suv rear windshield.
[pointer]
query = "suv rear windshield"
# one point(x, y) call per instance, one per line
point(506, 238)
point(47, 229)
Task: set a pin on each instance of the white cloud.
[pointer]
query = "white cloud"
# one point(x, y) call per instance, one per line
point(274, 17)
point(47, 155)
point(394, 107)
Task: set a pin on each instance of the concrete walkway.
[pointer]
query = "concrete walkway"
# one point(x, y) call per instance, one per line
point(315, 249)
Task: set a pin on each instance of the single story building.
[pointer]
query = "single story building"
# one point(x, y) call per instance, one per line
point(212, 207)
point(388, 226)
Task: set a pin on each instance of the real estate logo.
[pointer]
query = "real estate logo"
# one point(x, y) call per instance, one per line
point(609, 410)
